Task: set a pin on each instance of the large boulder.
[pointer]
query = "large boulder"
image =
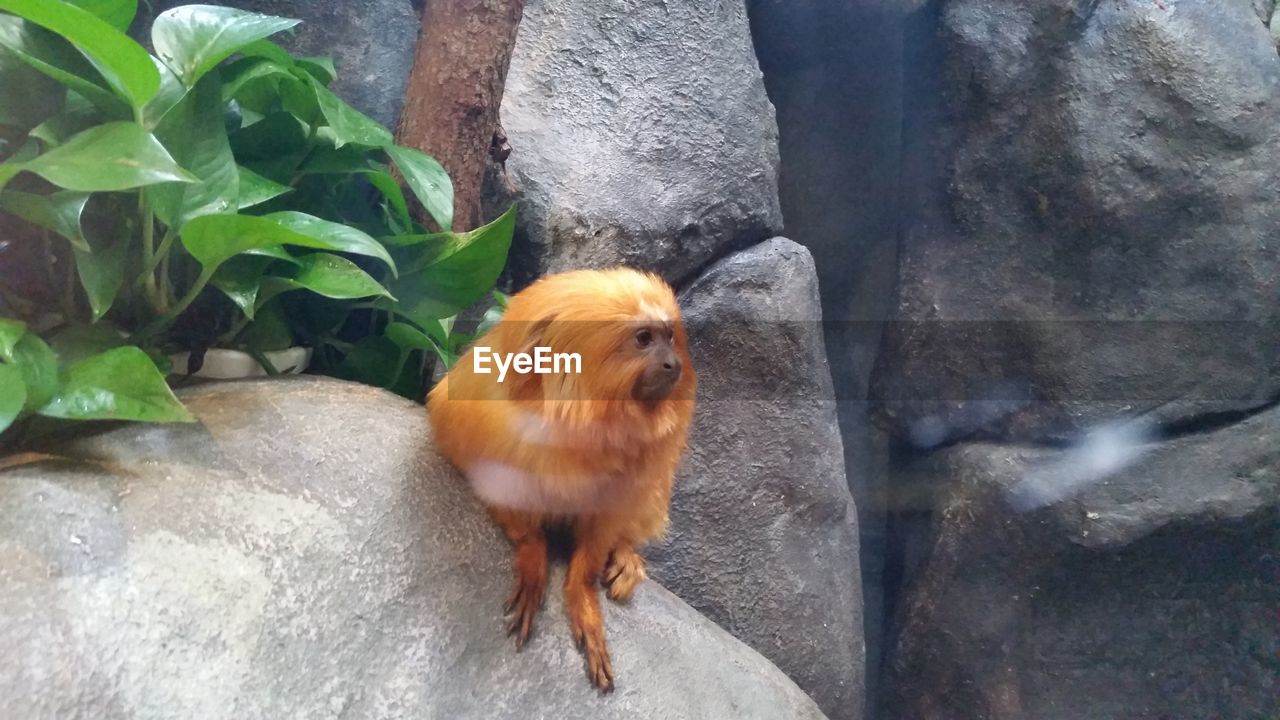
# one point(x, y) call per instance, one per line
point(1124, 578)
point(763, 536)
point(304, 552)
point(371, 42)
point(1096, 229)
point(641, 135)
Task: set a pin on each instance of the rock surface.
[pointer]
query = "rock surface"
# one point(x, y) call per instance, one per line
point(763, 536)
point(834, 71)
point(1096, 229)
point(1148, 592)
point(371, 43)
point(641, 135)
point(305, 553)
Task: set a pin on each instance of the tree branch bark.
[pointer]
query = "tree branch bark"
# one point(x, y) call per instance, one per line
point(455, 88)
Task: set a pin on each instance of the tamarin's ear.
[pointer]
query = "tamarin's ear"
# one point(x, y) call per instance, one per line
point(534, 334)
point(528, 386)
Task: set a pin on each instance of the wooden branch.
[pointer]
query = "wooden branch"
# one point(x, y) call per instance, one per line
point(455, 88)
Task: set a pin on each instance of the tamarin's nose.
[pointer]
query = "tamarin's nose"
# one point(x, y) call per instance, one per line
point(672, 365)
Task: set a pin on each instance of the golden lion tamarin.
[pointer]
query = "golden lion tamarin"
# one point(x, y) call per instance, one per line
point(591, 446)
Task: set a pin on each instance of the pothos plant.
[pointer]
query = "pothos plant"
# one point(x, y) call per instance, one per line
point(215, 194)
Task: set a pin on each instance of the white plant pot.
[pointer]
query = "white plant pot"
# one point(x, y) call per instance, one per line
point(222, 364)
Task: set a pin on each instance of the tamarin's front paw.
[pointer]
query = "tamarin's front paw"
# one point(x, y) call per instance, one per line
point(623, 573)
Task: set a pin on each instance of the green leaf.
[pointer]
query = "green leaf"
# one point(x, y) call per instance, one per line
point(320, 68)
point(119, 384)
point(390, 190)
point(334, 236)
point(212, 239)
point(428, 181)
point(7, 171)
point(348, 124)
point(193, 39)
point(13, 395)
point(240, 73)
point(240, 279)
point(375, 360)
point(269, 50)
point(78, 341)
point(334, 161)
point(461, 277)
point(59, 212)
point(334, 277)
point(256, 189)
point(197, 137)
point(11, 331)
point(56, 58)
point(166, 98)
point(270, 330)
point(75, 117)
point(27, 96)
point(116, 13)
point(297, 98)
point(409, 337)
point(113, 156)
point(123, 63)
point(278, 134)
point(102, 273)
point(39, 367)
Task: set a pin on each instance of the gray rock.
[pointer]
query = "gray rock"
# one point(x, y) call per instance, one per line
point(1265, 9)
point(834, 71)
point(371, 43)
point(305, 553)
point(1126, 578)
point(763, 535)
point(641, 135)
point(1096, 232)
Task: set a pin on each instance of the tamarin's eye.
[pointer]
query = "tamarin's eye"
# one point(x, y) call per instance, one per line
point(644, 337)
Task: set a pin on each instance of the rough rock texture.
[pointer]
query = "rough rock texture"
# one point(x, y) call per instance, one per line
point(834, 72)
point(371, 43)
point(305, 553)
point(1095, 232)
point(641, 135)
point(763, 535)
point(1148, 593)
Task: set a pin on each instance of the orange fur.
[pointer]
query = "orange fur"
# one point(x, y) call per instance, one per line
point(572, 449)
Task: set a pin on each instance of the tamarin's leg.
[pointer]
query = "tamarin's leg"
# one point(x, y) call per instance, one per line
point(582, 604)
point(623, 572)
point(530, 566)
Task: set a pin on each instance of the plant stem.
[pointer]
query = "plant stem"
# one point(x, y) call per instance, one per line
point(167, 316)
point(149, 259)
point(166, 285)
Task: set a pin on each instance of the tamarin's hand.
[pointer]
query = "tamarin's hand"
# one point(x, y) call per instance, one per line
point(590, 444)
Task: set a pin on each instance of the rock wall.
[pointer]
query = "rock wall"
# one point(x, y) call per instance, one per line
point(1081, 375)
point(834, 71)
point(764, 538)
point(641, 135)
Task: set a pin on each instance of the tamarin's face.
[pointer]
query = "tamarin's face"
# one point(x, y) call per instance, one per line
point(625, 325)
point(653, 346)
